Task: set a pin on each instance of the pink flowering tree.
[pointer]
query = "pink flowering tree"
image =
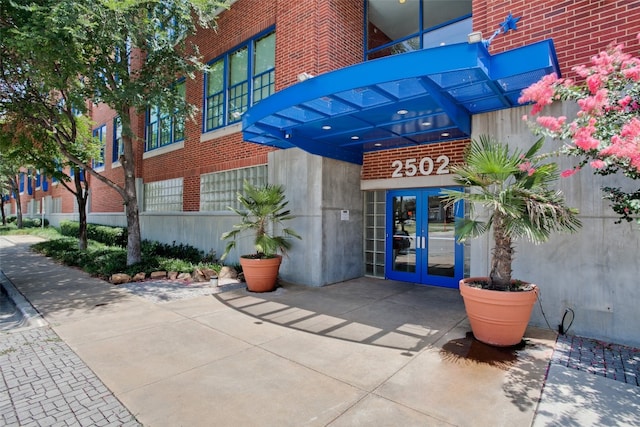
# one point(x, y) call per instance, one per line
point(605, 134)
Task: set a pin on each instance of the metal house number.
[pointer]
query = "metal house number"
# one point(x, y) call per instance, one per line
point(426, 165)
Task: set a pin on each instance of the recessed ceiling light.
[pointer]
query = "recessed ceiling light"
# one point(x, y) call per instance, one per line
point(402, 112)
point(326, 127)
point(426, 123)
point(377, 144)
point(445, 134)
point(355, 137)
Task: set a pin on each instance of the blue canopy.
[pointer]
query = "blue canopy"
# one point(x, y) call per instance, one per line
point(419, 97)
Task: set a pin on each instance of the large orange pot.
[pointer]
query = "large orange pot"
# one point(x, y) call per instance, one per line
point(497, 318)
point(261, 274)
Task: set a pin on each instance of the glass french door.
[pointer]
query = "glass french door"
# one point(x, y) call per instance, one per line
point(421, 245)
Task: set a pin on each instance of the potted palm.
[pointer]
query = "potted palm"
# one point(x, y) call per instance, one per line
point(263, 212)
point(514, 188)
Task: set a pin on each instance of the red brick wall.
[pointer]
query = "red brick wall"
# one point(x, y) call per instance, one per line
point(579, 29)
point(316, 36)
point(378, 164)
point(103, 198)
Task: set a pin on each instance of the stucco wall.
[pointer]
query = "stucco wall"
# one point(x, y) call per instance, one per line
point(594, 271)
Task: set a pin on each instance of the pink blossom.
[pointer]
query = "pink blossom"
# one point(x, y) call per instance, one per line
point(626, 145)
point(631, 69)
point(597, 164)
point(583, 136)
point(595, 82)
point(541, 93)
point(531, 171)
point(525, 166)
point(567, 173)
point(596, 104)
point(552, 123)
point(624, 102)
point(525, 118)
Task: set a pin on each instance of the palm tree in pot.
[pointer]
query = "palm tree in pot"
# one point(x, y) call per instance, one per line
point(515, 190)
point(263, 213)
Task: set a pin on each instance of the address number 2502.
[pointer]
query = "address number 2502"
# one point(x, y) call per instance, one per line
point(426, 166)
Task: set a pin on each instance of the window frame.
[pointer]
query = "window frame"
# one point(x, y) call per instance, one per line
point(100, 132)
point(225, 116)
point(369, 54)
point(173, 125)
point(118, 143)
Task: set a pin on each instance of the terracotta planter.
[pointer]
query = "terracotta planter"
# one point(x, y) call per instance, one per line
point(261, 274)
point(497, 318)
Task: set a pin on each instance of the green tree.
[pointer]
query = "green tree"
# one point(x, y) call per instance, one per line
point(124, 53)
point(22, 132)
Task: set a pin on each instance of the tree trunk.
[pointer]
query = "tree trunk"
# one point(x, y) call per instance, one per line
point(500, 276)
point(82, 195)
point(16, 191)
point(4, 216)
point(132, 213)
point(133, 222)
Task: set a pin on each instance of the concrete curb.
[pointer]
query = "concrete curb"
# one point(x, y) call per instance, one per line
point(31, 317)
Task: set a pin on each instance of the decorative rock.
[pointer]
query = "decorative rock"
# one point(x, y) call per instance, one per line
point(139, 277)
point(209, 273)
point(172, 275)
point(198, 276)
point(228, 273)
point(158, 275)
point(184, 276)
point(119, 278)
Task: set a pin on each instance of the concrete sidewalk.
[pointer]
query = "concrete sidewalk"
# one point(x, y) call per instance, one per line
point(365, 352)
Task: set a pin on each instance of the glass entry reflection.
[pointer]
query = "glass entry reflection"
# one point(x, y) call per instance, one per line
point(420, 238)
point(404, 233)
point(442, 239)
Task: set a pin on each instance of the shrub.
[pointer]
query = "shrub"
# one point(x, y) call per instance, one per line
point(103, 260)
point(34, 222)
point(56, 248)
point(181, 251)
point(111, 236)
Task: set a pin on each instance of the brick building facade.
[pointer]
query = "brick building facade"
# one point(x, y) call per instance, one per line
point(345, 206)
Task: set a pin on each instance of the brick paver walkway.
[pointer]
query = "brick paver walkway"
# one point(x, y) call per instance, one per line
point(613, 361)
point(44, 383)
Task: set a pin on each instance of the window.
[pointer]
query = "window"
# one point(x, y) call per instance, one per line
point(99, 134)
point(238, 80)
point(264, 67)
point(219, 190)
point(162, 127)
point(398, 27)
point(238, 84)
point(118, 143)
point(29, 182)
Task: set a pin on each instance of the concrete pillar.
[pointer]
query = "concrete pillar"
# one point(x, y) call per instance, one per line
point(325, 196)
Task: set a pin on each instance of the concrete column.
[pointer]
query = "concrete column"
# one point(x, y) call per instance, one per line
point(325, 196)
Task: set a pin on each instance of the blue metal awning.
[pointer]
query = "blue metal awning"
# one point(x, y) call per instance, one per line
point(413, 98)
